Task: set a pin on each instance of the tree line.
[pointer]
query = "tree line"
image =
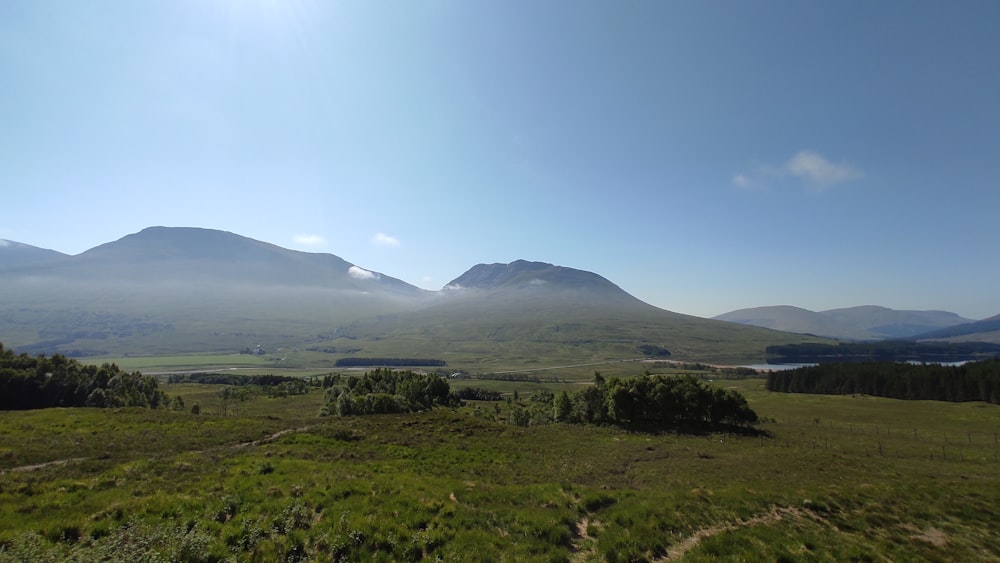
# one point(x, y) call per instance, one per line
point(266, 380)
point(653, 402)
point(389, 362)
point(35, 382)
point(973, 381)
point(883, 351)
point(385, 391)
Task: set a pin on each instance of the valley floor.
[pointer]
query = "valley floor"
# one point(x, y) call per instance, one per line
point(837, 479)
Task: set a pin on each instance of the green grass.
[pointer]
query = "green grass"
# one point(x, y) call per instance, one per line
point(840, 478)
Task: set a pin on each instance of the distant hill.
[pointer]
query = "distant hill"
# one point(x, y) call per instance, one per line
point(531, 311)
point(16, 255)
point(866, 322)
point(522, 274)
point(165, 290)
point(986, 330)
point(159, 255)
point(170, 290)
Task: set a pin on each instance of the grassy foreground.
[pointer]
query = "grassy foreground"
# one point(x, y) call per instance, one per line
point(839, 479)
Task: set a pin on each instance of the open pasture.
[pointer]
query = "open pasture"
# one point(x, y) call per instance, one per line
point(835, 479)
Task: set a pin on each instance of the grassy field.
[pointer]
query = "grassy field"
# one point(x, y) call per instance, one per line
point(835, 479)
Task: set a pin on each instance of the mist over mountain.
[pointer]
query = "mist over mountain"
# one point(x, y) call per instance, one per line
point(168, 290)
point(159, 255)
point(866, 322)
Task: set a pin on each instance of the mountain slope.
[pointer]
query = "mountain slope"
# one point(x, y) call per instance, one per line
point(17, 254)
point(532, 312)
point(184, 290)
point(165, 290)
point(181, 254)
point(867, 322)
point(986, 330)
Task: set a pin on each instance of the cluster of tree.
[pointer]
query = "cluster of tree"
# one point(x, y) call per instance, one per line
point(974, 381)
point(527, 377)
point(478, 394)
point(882, 351)
point(389, 362)
point(653, 401)
point(35, 382)
point(385, 391)
point(705, 370)
point(654, 351)
point(268, 380)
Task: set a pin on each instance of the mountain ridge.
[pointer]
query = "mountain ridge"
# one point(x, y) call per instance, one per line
point(864, 322)
point(15, 254)
point(187, 289)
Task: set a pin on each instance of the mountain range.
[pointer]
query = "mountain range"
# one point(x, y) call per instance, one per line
point(867, 322)
point(171, 290)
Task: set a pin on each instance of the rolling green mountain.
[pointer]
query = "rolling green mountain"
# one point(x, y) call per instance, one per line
point(866, 322)
point(185, 290)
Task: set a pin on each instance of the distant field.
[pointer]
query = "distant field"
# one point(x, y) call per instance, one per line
point(181, 363)
point(836, 479)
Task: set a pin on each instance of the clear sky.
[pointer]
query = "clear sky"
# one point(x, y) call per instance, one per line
point(704, 155)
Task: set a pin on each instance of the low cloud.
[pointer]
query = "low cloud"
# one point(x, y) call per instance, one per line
point(4, 242)
point(382, 239)
point(361, 273)
point(819, 171)
point(309, 240)
point(811, 169)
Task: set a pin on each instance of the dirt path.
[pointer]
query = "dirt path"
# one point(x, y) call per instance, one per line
point(776, 514)
point(271, 438)
point(37, 466)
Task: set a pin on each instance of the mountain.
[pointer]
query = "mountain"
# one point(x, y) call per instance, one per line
point(986, 330)
point(16, 254)
point(868, 322)
point(170, 290)
point(164, 290)
point(159, 255)
point(533, 312)
point(523, 274)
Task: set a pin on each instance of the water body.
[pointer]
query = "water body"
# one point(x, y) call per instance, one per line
point(783, 367)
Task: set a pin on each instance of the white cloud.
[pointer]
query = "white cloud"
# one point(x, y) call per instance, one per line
point(383, 239)
point(809, 167)
point(361, 273)
point(309, 240)
point(819, 171)
point(4, 242)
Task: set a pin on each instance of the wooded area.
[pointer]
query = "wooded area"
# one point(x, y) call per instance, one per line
point(35, 382)
point(974, 381)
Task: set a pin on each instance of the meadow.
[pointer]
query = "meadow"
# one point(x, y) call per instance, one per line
point(835, 478)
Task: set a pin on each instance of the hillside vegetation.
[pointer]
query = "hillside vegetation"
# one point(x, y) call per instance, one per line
point(833, 479)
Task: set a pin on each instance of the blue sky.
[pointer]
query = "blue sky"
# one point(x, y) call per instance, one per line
point(705, 156)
